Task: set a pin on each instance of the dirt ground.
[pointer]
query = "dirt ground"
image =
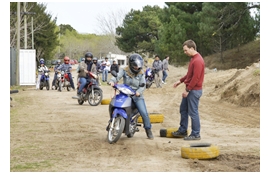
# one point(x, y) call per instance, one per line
point(50, 131)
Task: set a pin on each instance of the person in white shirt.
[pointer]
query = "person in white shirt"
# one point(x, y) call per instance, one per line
point(106, 69)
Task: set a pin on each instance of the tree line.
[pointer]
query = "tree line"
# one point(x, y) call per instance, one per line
point(214, 26)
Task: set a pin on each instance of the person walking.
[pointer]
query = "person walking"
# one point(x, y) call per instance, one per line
point(193, 81)
point(106, 69)
point(165, 63)
point(133, 75)
point(157, 68)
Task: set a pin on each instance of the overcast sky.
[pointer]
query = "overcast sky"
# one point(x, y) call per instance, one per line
point(82, 16)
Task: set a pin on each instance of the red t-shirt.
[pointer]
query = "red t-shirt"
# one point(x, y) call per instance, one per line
point(195, 75)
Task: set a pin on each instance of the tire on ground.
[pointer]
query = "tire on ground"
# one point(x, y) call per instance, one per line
point(154, 118)
point(168, 132)
point(105, 101)
point(200, 152)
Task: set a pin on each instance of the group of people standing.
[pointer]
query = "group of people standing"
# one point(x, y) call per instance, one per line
point(160, 69)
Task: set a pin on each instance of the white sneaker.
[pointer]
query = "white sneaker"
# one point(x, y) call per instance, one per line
point(162, 82)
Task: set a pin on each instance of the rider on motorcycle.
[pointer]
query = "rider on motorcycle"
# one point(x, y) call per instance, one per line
point(55, 72)
point(66, 67)
point(41, 69)
point(94, 66)
point(83, 70)
point(133, 75)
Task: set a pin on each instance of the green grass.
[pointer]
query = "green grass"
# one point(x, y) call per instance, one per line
point(239, 58)
point(256, 72)
point(34, 166)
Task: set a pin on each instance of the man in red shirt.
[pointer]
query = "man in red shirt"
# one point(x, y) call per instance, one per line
point(191, 96)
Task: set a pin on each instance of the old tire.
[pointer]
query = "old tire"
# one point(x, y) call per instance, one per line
point(106, 101)
point(168, 132)
point(154, 118)
point(209, 152)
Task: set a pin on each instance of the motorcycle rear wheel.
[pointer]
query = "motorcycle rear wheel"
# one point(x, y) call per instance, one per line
point(80, 101)
point(133, 128)
point(96, 99)
point(116, 131)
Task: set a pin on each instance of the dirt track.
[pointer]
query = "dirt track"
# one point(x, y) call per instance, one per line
point(50, 131)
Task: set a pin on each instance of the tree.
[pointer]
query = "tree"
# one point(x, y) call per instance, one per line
point(225, 26)
point(140, 30)
point(45, 38)
point(179, 24)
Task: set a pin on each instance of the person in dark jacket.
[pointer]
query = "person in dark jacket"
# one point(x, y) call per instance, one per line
point(114, 67)
point(157, 67)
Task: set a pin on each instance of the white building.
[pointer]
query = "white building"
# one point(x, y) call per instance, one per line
point(119, 58)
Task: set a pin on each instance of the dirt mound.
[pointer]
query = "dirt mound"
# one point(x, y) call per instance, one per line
point(241, 87)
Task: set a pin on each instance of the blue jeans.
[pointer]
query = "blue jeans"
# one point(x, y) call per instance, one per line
point(189, 106)
point(71, 80)
point(105, 75)
point(82, 84)
point(54, 79)
point(140, 104)
point(164, 75)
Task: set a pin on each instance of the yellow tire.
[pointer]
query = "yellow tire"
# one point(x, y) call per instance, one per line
point(168, 132)
point(105, 101)
point(154, 118)
point(200, 152)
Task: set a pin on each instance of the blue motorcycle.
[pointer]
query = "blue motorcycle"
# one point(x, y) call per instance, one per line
point(123, 113)
point(45, 80)
point(149, 77)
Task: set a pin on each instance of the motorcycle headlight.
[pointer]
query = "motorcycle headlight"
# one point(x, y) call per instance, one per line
point(126, 91)
point(46, 74)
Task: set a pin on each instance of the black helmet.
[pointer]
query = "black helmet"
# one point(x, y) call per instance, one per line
point(135, 63)
point(94, 60)
point(88, 54)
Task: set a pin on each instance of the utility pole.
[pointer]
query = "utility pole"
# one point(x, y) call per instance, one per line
point(25, 26)
point(32, 27)
point(18, 45)
point(59, 41)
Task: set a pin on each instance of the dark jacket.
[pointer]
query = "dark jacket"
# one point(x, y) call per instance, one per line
point(114, 67)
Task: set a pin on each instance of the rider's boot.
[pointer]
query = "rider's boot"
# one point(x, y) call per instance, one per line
point(78, 96)
point(149, 134)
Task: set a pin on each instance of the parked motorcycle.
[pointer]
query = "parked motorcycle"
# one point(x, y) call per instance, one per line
point(123, 113)
point(91, 92)
point(45, 80)
point(149, 77)
point(64, 81)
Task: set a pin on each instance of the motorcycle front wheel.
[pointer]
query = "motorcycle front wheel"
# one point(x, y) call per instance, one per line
point(41, 86)
point(47, 85)
point(95, 99)
point(116, 129)
point(60, 86)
